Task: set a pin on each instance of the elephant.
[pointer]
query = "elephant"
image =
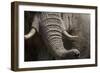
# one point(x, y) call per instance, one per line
point(57, 30)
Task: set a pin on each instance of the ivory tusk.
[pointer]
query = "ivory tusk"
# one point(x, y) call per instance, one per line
point(68, 35)
point(30, 34)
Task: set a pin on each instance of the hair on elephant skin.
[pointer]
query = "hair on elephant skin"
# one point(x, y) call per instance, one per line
point(56, 36)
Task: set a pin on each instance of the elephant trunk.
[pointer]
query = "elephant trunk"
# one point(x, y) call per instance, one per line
point(51, 32)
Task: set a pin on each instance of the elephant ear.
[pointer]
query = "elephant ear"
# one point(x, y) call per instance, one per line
point(35, 22)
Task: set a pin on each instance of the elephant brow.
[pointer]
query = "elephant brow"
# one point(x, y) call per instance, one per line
point(50, 19)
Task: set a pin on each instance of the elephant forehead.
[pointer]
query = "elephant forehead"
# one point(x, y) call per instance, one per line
point(51, 21)
point(45, 15)
point(52, 27)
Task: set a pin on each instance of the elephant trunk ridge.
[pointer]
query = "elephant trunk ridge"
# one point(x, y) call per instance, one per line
point(52, 32)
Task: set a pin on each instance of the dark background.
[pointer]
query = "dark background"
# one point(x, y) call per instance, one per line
point(35, 46)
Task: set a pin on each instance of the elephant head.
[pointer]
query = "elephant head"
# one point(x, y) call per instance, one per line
point(52, 27)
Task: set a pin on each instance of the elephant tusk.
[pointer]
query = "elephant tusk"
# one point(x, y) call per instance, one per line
point(30, 34)
point(68, 35)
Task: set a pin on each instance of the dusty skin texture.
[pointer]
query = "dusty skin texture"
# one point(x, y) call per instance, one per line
point(50, 40)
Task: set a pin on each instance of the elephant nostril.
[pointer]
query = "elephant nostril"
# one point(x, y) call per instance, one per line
point(76, 52)
point(77, 55)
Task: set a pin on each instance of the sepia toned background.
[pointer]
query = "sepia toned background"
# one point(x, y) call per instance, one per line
point(36, 49)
